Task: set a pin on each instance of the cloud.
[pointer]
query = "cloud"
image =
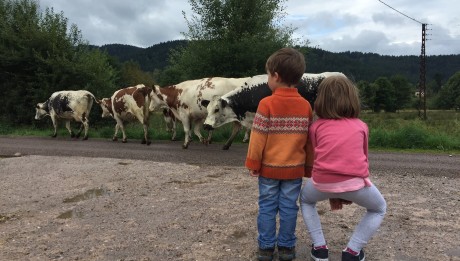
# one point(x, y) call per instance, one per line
point(366, 26)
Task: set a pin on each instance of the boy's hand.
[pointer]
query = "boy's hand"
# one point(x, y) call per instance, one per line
point(253, 173)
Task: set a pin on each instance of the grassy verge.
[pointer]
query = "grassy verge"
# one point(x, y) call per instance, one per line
point(402, 131)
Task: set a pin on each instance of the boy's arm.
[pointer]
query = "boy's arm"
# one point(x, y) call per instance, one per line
point(259, 133)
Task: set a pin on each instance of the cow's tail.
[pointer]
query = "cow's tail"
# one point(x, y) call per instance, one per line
point(94, 97)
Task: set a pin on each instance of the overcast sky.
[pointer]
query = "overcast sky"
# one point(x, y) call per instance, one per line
point(332, 25)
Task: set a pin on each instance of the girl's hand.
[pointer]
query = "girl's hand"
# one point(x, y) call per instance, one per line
point(337, 203)
point(253, 173)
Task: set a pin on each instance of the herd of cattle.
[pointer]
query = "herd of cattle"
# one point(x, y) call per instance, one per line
point(208, 102)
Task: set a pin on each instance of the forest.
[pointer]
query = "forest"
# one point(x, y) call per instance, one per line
point(40, 53)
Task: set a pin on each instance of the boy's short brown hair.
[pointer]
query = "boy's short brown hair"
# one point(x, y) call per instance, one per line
point(288, 63)
point(337, 98)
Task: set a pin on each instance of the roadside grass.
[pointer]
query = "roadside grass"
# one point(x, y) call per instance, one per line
point(402, 131)
point(406, 131)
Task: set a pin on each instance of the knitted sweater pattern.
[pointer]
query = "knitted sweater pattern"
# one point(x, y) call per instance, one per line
point(278, 143)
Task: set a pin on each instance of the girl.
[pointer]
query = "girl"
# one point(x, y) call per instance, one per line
point(340, 169)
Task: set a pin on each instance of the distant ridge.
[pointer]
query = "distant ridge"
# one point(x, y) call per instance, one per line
point(359, 66)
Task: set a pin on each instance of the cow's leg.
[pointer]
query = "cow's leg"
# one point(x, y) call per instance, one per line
point(115, 135)
point(197, 130)
point(187, 127)
point(236, 128)
point(122, 127)
point(146, 139)
point(79, 131)
point(86, 125)
point(173, 130)
point(67, 126)
point(246, 135)
point(55, 122)
point(209, 138)
point(171, 126)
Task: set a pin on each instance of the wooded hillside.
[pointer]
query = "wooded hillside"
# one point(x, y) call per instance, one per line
point(360, 66)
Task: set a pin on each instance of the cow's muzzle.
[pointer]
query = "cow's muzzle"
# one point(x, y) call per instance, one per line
point(208, 127)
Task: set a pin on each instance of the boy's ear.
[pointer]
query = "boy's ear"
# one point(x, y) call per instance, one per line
point(276, 77)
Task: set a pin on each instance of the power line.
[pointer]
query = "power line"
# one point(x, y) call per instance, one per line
point(401, 13)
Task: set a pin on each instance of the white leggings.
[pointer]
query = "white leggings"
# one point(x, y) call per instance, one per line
point(368, 197)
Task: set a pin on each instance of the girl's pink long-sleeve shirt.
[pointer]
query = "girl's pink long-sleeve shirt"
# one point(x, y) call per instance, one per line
point(341, 151)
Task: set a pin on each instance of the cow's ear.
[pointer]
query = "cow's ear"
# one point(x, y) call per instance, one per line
point(205, 103)
point(224, 103)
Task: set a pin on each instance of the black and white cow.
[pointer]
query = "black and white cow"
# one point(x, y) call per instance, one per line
point(67, 105)
point(240, 105)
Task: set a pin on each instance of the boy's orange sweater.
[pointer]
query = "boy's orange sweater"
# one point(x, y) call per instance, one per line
point(279, 135)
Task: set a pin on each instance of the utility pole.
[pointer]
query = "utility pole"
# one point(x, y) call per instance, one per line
point(422, 82)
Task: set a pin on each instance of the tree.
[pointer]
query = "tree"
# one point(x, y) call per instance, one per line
point(449, 95)
point(131, 74)
point(385, 95)
point(230, 38)
point(403, 91)
point(40, 54)
point(367, 94)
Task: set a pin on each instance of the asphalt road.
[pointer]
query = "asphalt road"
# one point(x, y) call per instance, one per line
point(199, 154)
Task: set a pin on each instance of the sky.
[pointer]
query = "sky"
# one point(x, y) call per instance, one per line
point(367, 26)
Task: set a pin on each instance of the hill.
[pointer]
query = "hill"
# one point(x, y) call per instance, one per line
point(359, 66)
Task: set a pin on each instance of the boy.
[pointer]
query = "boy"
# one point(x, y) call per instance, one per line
point(277, 153)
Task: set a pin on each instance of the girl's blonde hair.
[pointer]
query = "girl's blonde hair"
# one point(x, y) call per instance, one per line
point(337, 98)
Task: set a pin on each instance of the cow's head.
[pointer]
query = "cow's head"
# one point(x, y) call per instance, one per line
point(157, 99)
point(219, 113)
point(106, 106)
point(41, 110)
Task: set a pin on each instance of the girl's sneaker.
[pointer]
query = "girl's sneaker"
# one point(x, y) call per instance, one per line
point(320, 253)
point(350, 255)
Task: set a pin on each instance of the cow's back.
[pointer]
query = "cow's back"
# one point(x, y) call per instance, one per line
point(128, 101)
point(68, 104)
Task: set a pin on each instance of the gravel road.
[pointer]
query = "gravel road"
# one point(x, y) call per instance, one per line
point(65, 199)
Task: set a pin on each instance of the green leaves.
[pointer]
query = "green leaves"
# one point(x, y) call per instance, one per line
point(230, 38)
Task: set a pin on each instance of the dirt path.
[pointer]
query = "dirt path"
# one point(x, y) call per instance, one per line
point(99, 200)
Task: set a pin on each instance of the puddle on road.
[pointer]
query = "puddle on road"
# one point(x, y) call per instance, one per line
point(89, 194)
point(70, 214)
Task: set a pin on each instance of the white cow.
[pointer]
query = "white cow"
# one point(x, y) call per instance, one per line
point(67, 105)
point(184, 100)
point(240, 105)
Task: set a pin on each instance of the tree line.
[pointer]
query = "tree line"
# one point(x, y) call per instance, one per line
point(40, 53)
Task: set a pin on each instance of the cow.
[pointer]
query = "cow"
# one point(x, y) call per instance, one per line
point(240, 105)
point(67, 105)
point(184, 100)
point(127, 105)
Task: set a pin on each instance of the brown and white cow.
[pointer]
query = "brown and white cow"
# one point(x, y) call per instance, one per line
point(184, 100)
point(67, 105)
point(127, 105)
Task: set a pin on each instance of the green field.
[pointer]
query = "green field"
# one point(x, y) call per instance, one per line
point(402, 131)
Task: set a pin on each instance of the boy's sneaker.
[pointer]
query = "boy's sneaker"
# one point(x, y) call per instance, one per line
point(350, 255)
point(320, 253)
point(265, 254)
point(286, 253)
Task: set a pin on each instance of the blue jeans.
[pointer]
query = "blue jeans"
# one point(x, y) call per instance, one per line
point(277, 196)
